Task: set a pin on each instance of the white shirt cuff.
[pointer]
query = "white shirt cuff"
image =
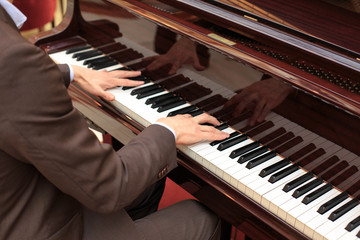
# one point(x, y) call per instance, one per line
point(71, 72)
point(166, 126)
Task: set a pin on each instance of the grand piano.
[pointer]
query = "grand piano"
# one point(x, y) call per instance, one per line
point(294, 175)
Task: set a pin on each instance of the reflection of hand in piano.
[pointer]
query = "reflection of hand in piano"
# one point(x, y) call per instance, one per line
point(188, 129)
point(96, 82)
point(259, 97)
point(182, 52)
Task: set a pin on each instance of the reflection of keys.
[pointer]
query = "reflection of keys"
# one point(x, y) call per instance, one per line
point(256, 148)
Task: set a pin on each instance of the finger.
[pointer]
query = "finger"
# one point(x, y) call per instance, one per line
point(265, 112)
point(206, 118)
point(128, 83)
point(198, 66)
point(176, 65)
point(256, 113)
point(211, 133)
point(184, 115)
point(106, 95)
point(233, 100)
point(246, 103)
point(149, 58)
point(205, 128)
point(125, 74)
point(240, 107)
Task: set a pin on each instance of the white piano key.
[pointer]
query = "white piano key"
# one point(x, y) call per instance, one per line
point(311, 209)
point(240, 175)
point(294, 207)
point(218, 157)
point(319, 219)
point(228, 162)
point(254, 182)
point(333, 230)
point(290, 207)
point(232, 170)
point(278, 196)
point(112, 68)
point(350, 235)
point(230, 166)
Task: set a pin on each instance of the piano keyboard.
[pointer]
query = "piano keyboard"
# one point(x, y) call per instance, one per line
point(249, 160)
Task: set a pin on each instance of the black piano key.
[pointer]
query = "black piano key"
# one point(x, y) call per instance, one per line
point(231, 142)
point(159, 98)
point(283, 173)
point(207, 124)
point(98, 63)
point(77, 49)
point(182, 111)
point(317, 193)
point(358, 235)
point(86, 55)
point(127, 88)
point(196, 112)
point(234, 134)
point(144, 89)
point(171, 105)
point(250, 155)
point(343, 209)
point(274, 167)
point(332, 203)
point(259, 160)
point(165, 102)
point(298, 181)
point(104, 65)
point(149, 93)
point(222, 126)
point(307, 187)
point(244, 149)
point(97, 60)
point(122, 69)
point(353, 224)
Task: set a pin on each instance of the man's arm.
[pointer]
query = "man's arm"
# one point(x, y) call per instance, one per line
point(44, 130)
point(64, 68)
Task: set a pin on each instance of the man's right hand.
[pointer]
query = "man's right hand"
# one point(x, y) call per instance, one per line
point(189, 130)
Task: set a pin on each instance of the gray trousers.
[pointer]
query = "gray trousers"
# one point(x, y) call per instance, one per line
point(185, 220)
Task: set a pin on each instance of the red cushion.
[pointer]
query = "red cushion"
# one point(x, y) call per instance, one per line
point(38, 12)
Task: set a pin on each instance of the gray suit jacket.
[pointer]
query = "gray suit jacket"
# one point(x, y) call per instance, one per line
point(51, 165)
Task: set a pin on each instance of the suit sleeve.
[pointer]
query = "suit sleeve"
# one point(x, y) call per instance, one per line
point(64, 68)
point(48, 133)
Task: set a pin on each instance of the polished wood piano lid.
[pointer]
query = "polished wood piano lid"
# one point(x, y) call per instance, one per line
point(335, 24)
